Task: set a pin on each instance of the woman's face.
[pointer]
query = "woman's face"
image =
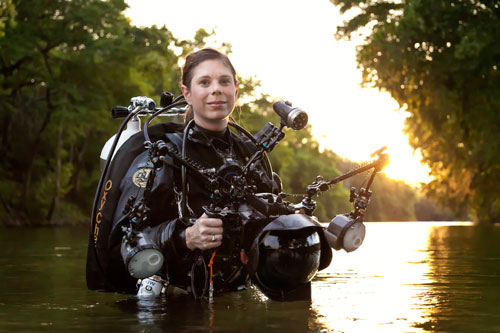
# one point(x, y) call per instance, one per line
point(212, 94)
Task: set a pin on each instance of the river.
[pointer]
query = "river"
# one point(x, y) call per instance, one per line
point(406, 277)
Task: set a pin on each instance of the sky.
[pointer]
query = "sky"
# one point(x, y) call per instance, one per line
point(289, 46)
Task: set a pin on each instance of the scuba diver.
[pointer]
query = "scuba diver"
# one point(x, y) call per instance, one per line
point(197, 206)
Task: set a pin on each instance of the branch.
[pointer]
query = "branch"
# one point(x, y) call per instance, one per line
point(8, 70)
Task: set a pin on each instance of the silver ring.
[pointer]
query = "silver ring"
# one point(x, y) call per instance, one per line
point(213, 238)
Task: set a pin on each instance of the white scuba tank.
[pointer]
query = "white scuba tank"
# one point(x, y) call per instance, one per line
point(133, 126)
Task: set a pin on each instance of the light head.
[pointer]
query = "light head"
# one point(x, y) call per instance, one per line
point(346, 233)
point(294, 118)
point(142, 257)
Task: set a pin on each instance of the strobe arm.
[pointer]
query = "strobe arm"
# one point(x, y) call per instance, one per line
point(320, 185)
point(347, 231)
point(382, 159)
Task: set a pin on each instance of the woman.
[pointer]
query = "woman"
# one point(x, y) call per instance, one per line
point(210, 88)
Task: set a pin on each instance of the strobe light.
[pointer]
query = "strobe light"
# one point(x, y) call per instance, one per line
point(294, 118)
point(346, 233)
point(141, 256)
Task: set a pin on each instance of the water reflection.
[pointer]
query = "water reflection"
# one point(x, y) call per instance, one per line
point(465, 270)
point(407, 277)
point(380, 285)
point(248, 310)
point(412, 277)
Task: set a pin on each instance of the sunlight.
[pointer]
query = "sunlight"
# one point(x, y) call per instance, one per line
point(361, 122)
point(289, 47)
point(405, 165)
point(399, 280)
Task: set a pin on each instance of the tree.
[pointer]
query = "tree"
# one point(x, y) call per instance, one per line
point(439, 60)
point(62, 65)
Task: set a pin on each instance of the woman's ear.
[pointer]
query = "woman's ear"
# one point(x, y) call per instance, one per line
point(186, 93)
point(236, 90)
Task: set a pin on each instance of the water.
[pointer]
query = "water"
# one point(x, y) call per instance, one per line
point(407, 277)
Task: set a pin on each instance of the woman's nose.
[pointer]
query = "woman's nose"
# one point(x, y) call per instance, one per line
point(216, 88)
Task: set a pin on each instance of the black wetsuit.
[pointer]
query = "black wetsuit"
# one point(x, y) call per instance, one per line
point(105, 267)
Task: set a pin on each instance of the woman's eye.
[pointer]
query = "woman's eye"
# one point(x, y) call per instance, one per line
point(204, 82)
point(225, 81)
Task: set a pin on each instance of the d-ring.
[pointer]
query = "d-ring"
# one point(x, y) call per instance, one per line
point(213, 238)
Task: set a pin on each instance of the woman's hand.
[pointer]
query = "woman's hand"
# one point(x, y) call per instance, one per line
point(206, 233)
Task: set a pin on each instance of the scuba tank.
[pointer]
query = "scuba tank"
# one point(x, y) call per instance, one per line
point(133, 126)
point(104, 272)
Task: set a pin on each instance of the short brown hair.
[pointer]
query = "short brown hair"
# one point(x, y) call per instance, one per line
point(196, 58)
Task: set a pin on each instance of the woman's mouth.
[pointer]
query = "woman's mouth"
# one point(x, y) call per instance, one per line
point(216, 103)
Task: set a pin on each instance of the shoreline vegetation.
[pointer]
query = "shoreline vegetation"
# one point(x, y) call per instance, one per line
point(416, 209)
point(65, 65)
point(439, 61)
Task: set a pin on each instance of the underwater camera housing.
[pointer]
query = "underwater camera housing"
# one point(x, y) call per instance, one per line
point(286, 255)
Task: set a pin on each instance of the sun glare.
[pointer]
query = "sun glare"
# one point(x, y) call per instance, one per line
point(405, 165)
point(364, 120)
point(400, 278)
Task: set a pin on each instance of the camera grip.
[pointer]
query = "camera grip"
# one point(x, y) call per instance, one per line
point(214, 212)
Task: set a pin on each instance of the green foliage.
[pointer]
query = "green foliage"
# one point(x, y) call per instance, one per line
point(7, 15)
point(391, 201)
point(63, 64)
point(67, 63)
point(428, 210)
point(440, 61)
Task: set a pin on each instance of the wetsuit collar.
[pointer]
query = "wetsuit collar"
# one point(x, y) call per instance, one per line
point(200, 135)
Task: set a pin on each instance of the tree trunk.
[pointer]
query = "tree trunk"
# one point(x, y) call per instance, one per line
point(57, 185)
point(78, 167)
point(37, 146)
point(493, 213)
